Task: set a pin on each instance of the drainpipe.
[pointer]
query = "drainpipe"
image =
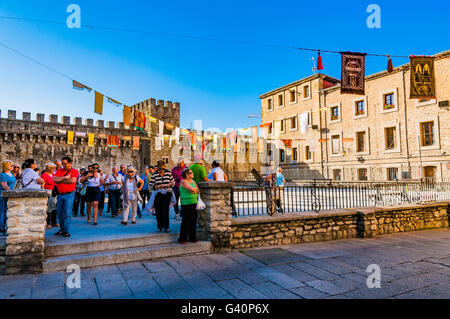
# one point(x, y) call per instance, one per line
point(320, 127)
point(406, 122)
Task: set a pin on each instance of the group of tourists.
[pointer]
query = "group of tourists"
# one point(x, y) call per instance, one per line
point(83, 192)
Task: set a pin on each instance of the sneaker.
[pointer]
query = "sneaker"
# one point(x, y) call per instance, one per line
point(59, 233)
point(65, 234)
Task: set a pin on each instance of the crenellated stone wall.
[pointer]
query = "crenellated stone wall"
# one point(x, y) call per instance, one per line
point(26, 230)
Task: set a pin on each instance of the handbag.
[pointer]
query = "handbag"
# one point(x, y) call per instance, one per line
point(200, 204)
point(83, 189)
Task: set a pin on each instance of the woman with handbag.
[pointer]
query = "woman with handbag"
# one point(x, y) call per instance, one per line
point(189, 197)
point(132, 184)
point(162, 181)
point(49, 184)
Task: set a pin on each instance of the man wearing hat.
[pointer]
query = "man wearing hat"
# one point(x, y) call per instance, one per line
point(199, 170)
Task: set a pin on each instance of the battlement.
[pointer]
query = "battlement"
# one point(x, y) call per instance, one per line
point(166, 111)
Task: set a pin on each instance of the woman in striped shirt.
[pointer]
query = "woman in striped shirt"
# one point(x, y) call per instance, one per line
point(162, 181)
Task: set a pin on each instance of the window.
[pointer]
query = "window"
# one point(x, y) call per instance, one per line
point(282, 126)
point(269, 129)
point(360, 141)
point(362, 174)
point(334, 113)
point(269, 105)
point(294, 154)
point(335, 144)
point(389, 137)
point(280, 100)
point(306, 91)
point(388, 101)
point(359, 108)
point(282, 156)
point(292, 96)
point(293, 123)
point(166, 160)
point(337, 174)
point(307, 153)
point(426, 133)
point(392, 173)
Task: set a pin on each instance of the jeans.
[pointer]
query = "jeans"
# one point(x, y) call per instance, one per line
point(126, 210)
point(64, 208)
point(176, 191)
point(101, 203)
point(114, 199)
point(3, 217)
point(79, 202)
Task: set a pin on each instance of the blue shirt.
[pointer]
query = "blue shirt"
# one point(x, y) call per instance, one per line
point(280, 179)
point(9, 179)
point(145, 181)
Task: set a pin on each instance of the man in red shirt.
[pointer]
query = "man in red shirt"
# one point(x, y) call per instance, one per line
point(65, 179)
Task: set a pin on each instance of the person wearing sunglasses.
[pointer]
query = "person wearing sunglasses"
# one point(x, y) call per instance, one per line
point(189, 197)
point(94, 179)
point(132, 185)
point(162, 181)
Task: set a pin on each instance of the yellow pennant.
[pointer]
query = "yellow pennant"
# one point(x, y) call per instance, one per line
point(98, 103)
point(91, 139)
point(70, 137)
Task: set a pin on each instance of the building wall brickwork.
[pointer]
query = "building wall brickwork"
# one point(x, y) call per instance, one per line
point(405, 160)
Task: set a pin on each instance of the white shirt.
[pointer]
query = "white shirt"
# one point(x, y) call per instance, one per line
point(219, 174)
point(94, 182)
point(130, 186)
point(111, 178)
point(29, 177)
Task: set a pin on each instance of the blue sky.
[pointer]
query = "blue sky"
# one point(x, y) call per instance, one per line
point(216, 82)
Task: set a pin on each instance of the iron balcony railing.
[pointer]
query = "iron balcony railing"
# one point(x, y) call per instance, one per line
point(327, 195)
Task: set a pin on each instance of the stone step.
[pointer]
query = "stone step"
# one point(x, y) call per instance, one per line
point(127, 255)
point(85, 247)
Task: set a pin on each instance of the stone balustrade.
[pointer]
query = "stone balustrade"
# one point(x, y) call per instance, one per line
point(27, 214)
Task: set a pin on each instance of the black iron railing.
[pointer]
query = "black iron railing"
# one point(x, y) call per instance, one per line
point(319, 195)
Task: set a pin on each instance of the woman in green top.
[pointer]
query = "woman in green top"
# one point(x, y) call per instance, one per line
point(189, 196)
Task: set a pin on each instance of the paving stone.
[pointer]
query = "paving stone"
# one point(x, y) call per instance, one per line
point(155, 266)
point(244, 260)
point(294, 273)
point(347, 284)
point(240, 290)
point(181, 265)
point(326, 287)
point(88, 290)
point(274, 291)
point(438, 291)
point(53, 280)
point(112, 289)
point(183, 293)
point(308, 292)
point(273, 256)
point(249, 276)
point(205, 286)
point(49, 293)
point(314, 271)
point(222, 260)
point(327, 265)
point(279, 278)
point(129, 267)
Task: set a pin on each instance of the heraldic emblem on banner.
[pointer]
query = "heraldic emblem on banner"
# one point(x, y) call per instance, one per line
point(422, 84)
point(352, 72)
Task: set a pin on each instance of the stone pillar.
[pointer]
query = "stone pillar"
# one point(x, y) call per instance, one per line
point(27, 214)
point(216, 218)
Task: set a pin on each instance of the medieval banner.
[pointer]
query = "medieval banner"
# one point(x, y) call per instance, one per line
point(136, 143)
point(70, 137)
point(91, 139)
point(112, 141)
point(422, 78)
point(352, 72)
point(98, 105)
point(139, 120)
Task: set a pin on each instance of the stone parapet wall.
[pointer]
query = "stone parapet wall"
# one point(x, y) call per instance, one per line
point(330, 225)
point(2, 254)
point(26, 230)
point(378, 221)
point(216, 218)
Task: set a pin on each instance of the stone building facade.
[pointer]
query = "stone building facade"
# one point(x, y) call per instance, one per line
point(382, 135)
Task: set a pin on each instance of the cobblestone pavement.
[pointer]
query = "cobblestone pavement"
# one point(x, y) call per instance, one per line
point(413, 265)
